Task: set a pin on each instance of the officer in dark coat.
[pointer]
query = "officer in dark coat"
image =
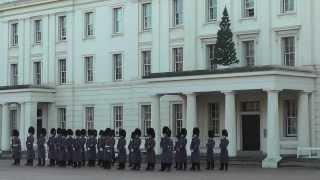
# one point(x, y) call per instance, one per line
point(136, 154)
point(76, 156)
point(166, 144)
point(108, 149)
point(130, 149)
point(29, 145)
point(149, 146)
point(41, 147)
point(91, 147)
point(210, 150)
point(122, 151)
point(181, 152)
point(83, 141)
point(195, 150)
point(224, 155)
point(100, 146)
point(65, 147)
point(113, 135)
point(70, 147)
point(59, 147)
point(52, 147)
point(16, 147)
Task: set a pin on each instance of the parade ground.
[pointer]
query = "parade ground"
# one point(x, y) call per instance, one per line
point(8, 172)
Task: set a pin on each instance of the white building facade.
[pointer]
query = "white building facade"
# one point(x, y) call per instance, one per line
point(147, 63)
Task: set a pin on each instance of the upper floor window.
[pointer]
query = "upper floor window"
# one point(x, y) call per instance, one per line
point(89, 24)
point(62, 71)
point(118, 118)
point(212, 11)
point(117, 67)
point(88, 69)
point(62, 118)
point(145, 118)
point(37, 31)
point(117, 20)
point(177, 12)
point(146, 63)
point(210, 56)
point(13, 74)
point(248, 8)
point(37, 73)
point(287, 6)
point(178, 59)
point(147, 14)
point(288, 51)
point(14, 35)
point(248, 50)
point(290, 118)
point(89, 113)
point(62, 28)
point(214, 118)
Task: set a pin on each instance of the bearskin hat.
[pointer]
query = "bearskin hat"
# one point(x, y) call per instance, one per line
point(122, 133)
point(196, 131)
point(15, 133)
point(78, 132)
point(64, 132)
point(101, 132)
point(113, 133)
point(53, 131)
point(84, 132)
point(44, 131)
point(169, 133)
point(95, 133)
point(150, 132)
point(183, 131)
point(210, 133)
point(70, 132)
point(31, 130)
point(137, 132)
point(59, 131)
point(89, 131)
point(132, 134)
point(108, 132)
point(165, 130)
point(225, 133)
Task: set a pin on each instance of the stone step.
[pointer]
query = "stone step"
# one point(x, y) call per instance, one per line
point(301, 162)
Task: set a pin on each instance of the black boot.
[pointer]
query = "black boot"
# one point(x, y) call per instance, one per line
point(192, 167)
point(198, 166)
point(169, 167)
point(185, 166)
point(221, 166)
point(212, 165)
point(208, 165)
point(226, 166)
point(163, 167)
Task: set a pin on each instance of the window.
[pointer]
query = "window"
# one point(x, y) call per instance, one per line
point(117, 20)
point(14, 74)
point(291, 118)
point(13, 119)
point(145, 118)
point(287, 6)
point(212, 11)
point(37, 73)
point(14, 34)
point(178, 59)
point(177, 118)
point(62, 121)
point(288, 51)
point(62, 71)
point(214, 118)
point(177, 12)
point(147, 14)
point(89, 24)
point(146, 66)
point(117, 67)
point(37, 31)
point(89, 117)
point(248, 10)
point(249, 53)
point(88, 69)
point(62, 30)
point(118, 118)
point(210, 56)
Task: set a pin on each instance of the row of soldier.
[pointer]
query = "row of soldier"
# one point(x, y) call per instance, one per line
point(65, 149)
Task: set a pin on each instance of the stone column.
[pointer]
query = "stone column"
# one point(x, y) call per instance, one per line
point(191, 119)
point(303, 120)
point(230, 122)
point(5, 135)
point(273, 138)
point(52, 116)
point(155, 120)
point(30, 118)
point(22, 128)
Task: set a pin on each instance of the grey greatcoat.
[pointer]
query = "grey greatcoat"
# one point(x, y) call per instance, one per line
point(108, 149)
point(210, 149)
point(16, 148)
point(76, 146)
point(100, 146)
point(166, 145)
point(59, 148)
point(51, 147)
point(224, 155)
point(83, 141)
point(122, 151)
point(136, 154)
point(30, 149)
point(195, 150)
point(41, 147)
point(149, 146)
point(130, 150)
point(91, 148)
point(69, 155)
point(181, 152)
point(65, 149)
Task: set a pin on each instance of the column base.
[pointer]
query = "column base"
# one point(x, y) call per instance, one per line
point(271, 162)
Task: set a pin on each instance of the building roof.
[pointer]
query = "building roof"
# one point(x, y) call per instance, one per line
point(2, 88)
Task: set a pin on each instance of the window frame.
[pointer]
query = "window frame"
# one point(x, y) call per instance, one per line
point(117, 117)
point(62, 117)
point(178, 12)
point(37, 73)
point(146, 62)
point(178, 59)
point(117, 20)
point(212, 5)
point(289, 51)
point(14, 34)
point(62, 72)
point(246, 9)
point(249, 54)
point(283, 7)
point(89, 26)
point(214, 118)
point(288, 117)
point(89, 71)
point(89, 117)
point(14, 76)
point(177, 117)
point(117, 67)
point(146, 16)
point(37, 31)
point(209, 59)
point(62, 27)
point(13, 120)
point(145, 120)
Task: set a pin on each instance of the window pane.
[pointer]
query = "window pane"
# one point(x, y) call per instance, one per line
point(249, 53)
point(214, 118)
point(117, 65)
point(146, 63)
point(177, 118)
point(178, 59)
point(118, 118)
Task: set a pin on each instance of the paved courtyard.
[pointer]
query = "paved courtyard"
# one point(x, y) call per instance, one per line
point(8, 172)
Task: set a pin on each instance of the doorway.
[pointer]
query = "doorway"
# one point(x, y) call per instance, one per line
point(251, 132)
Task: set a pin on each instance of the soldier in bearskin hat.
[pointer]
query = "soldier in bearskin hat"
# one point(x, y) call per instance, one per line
point(181, 152)
point(59, 147)
point(41, 147)
point(70, 147)
point(210, 150)
point(16, 147)
point(100, 146)
point(166, 144)
point(65, 146)
point(195, 150)
point(29, 145)
point(91, 147)
point(136, 154)
point(83, 140)
point(52, 147)
point(224, 155)
point(149, 145)
point(113, 135)
point(108, 149)
point(130, 148)
point(122, 151)
point(76, 147)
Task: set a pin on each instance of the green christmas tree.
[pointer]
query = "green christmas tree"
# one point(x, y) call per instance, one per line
point(224, 51)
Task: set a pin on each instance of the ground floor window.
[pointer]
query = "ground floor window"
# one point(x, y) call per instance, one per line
point(89, 117)
point(177, 118)
point(62, 118)
point(145, 118)
point(118, 118)
point(290, 118)
point(214, 119)
point(13, 119)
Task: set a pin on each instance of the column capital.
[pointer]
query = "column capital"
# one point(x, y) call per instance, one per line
point(228, 92)
point(306, 92)
point(190, 93)
point(272, 90)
